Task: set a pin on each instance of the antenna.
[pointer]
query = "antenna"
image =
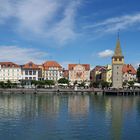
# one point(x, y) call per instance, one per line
point(79, 61)
point(118, 34)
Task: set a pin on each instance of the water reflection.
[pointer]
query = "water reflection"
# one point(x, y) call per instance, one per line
point(69, 117)
point(30, 106)
point(78, 105)
point(116, 108)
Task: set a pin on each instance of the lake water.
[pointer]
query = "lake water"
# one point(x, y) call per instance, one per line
point(81, 117)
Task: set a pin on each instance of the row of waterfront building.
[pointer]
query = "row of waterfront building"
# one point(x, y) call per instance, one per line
point(116, 73)
point(52, 70)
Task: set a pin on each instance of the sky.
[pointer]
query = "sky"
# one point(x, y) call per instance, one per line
point(69, 31)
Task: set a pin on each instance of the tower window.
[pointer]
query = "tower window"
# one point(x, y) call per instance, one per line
point(120, 59)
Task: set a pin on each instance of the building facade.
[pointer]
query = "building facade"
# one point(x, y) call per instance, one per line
point(117, 66)
point(79, 73)
point(129, 73)
point(10, 71)
point(52, 70)
point(65, 74)
point(30, 71)
point(107, 74)
point(96, 73)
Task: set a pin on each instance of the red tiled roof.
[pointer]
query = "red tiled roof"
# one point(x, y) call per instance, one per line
point(128, 68)
point(9, 65)
point(71, 66)
point(49, 64)
point(30, 65)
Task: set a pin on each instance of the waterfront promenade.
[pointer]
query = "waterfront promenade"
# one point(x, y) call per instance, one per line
point(95, 91)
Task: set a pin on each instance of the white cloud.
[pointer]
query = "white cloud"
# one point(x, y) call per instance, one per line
point(22, 55)
point(106, 53)
point(34, 15)
point(112, 25)
point(49, 19)
point(6, 10)
point(64, 30)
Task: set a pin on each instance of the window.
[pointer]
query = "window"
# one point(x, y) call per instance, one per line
point(34, 78)
point(30, 72)
point(26, 72)
point(30, 78)
point(120, 59)
point(34, 72)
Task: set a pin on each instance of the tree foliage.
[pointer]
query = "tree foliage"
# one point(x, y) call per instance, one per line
point(49, 82)
point(81, 84)
point(63, 81)
point(2, 84)
point(138, 74)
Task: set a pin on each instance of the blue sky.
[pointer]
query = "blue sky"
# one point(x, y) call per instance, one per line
point(69, 31)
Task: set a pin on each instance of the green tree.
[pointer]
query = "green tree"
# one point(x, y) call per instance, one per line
point(94, 84)
point(82, 84)
point(41, 84)
point(23, 83)
point(63, 81)
point(138, 74)
point(131, 83)
point(34, 82)
point(14, 85)
point(104, 84)
point(2, 84)
point(9, 84)
point(49, 83)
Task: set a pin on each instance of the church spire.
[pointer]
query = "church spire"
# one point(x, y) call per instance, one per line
point(118, 50)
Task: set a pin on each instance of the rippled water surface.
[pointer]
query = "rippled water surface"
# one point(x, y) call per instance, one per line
point(81, 117)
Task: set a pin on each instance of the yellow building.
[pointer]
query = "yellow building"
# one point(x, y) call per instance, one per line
point(107, 74)
point(96, 73)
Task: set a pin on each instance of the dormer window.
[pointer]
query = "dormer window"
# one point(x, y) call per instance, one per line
point(30, 65)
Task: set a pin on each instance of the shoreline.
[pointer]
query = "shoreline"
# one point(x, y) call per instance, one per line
point(123, 92)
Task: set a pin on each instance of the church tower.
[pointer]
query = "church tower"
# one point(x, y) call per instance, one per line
point(117, 65)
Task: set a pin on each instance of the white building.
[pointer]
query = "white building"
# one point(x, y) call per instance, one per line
point(129, 73)
point(30, 71)
point(52, 70)
point(10, 71)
